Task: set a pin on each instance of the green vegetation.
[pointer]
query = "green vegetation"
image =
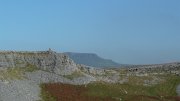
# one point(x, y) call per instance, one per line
point(134, 90)
point(11, 73)
point(45, 95)
point(16, 72)
point(75, 74)
point(67, 92)
point(30, 68)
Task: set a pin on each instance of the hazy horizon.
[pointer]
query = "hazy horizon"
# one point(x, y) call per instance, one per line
point(126, 31)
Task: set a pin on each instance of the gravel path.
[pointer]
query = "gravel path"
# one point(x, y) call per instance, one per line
point(19, 90)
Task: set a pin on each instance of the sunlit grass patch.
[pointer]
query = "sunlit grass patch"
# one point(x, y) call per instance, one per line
point(75, 74)
point(132, 88)
point(16, 72)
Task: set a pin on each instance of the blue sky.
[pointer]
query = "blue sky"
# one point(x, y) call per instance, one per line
point(127, 31)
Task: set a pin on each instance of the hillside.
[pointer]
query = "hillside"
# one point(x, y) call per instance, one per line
point(22, 73)
point(35, 76)
point(91, 59)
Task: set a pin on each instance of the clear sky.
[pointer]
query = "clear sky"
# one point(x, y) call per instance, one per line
point(127, 31)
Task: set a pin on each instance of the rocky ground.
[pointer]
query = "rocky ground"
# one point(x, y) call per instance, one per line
point(21, 73)
point(28, 89)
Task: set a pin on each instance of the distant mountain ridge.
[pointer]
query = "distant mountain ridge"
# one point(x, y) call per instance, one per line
point(91, 59)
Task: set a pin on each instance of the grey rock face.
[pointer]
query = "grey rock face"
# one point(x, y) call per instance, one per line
point(46, 60)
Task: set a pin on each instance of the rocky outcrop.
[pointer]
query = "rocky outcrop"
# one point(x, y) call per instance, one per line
point(50, 67)
point(56, 63)
point(49, 61)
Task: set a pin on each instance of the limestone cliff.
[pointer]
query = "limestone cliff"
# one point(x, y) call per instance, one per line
point(50, 61)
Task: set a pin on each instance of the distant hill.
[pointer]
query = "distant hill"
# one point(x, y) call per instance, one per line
point(91, 59)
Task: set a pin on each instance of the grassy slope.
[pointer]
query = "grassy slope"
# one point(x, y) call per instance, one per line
point(130, 90)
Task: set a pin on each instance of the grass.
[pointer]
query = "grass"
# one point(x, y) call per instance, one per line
point(30, 68)
point(67, 92)
point(16, 72)
point(45, 94)
point(130, 91)
point(75, 74)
